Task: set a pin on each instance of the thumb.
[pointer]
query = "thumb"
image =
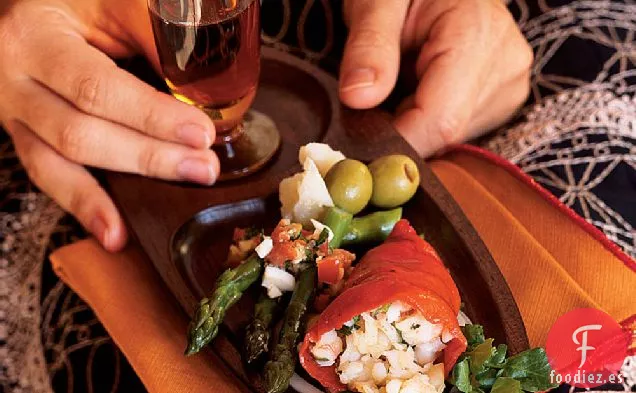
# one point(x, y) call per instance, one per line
point(371, 59)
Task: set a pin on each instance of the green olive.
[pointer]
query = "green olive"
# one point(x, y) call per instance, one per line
point(350, 184)
point(395, 180)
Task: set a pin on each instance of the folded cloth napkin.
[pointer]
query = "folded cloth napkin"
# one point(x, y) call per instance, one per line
point(567, 264)
point(142, 317)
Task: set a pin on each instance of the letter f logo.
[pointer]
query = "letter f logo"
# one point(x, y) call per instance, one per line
point(591, 339)
point(583, 343)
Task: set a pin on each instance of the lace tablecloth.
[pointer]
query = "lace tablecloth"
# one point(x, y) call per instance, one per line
point(576, 136)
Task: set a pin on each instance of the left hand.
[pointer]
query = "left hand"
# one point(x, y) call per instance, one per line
point(472, 69)
point(67, 106)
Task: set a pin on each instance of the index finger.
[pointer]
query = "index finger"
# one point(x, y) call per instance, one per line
point(93, 83)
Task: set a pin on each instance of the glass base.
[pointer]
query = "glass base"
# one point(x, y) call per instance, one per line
point(249, 148)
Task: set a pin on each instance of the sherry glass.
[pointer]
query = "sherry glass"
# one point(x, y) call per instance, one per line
point(210, 57)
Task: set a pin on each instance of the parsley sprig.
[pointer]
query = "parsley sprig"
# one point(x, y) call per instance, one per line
point(484, 368)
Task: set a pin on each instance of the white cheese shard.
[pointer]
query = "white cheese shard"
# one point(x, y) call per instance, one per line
point(265, 247)
point(321, 154)
point(277, 281)
point(273, 292)
point(304, 196)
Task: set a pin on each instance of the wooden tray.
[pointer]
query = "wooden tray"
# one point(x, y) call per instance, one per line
point(186, 230)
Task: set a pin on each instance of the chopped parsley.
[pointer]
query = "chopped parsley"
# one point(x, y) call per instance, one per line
point(381, 309)
point(324, 235)
point(347, 330)
point(310, 253)
point(399, 332)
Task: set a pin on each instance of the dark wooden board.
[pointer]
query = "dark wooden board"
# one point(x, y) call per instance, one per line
point(186, 230)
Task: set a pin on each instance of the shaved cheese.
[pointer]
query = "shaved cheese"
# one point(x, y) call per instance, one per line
point(273, 292)
point(304, 196)
point(321, 154)
point(265, 247)
point(277, 281)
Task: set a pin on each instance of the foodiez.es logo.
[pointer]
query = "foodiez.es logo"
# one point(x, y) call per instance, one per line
point(586, 348)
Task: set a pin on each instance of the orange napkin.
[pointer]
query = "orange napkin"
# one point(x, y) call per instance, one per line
point(552, 260)
point(142, 317)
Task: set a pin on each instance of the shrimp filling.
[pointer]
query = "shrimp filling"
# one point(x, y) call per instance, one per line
point(388, 350)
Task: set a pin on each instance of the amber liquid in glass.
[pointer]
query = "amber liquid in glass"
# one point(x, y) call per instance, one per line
point(212, 60)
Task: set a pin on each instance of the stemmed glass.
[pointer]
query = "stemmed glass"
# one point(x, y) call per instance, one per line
point(210, 57)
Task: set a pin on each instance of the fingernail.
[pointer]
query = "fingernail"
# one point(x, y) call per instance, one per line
point(99, 229)
point(358, 79)
point(196, 170)
point(194, 135)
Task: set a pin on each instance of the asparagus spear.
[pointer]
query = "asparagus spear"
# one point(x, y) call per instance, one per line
point(338, 221)
point(374, 227)
point(280, 367)
point(258, 331)
point(229, 289)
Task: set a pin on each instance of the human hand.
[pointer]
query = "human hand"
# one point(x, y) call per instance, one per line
point(67, 105)
point(472, 68)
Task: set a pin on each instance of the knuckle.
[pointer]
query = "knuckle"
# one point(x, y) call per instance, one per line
point(149, 162)
point(71, 140)
point(526, 56)
point(87, 94)
point(519, 57)
point(450, 129)
point(59, 15)
point(152, 117)
point(522, 92)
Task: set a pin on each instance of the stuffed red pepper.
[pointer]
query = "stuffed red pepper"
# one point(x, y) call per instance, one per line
point(394, 327)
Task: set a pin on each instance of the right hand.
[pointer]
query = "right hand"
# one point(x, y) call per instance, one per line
point(66, 105)
point(472, 72)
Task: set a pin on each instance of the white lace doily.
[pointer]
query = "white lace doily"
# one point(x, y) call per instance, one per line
point(586, 133)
